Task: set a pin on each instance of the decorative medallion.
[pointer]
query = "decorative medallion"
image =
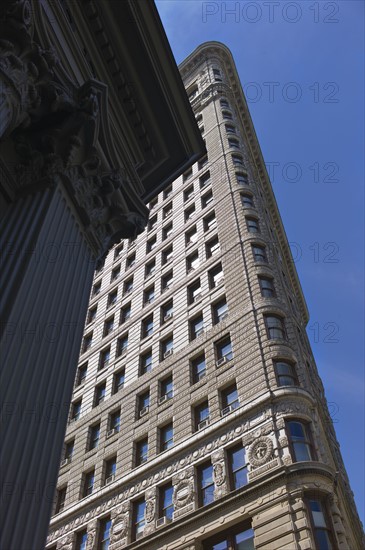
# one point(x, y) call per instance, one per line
point(219, 473)
point(260, 451)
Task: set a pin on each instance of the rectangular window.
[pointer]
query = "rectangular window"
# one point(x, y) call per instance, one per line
point(110, 469)
point(81, 374)
point(189, 212)
point(104, 359)
point(188, 193)
point(167, 192)
point(267, 287)
point(60, 499)
point(151, 244)
point(215, 276)
point(320, 524)
point(69, 450)
point(198, 368)
point(201, 414)
point(141, 451)
point(125, 313)
point(230, 129)
point(166, 437)
point(104, 533)
point(112, 298)
point(238, 161)
point(233, 142)
point(118, 251)
point(149, 295)
point(189, 171)
point(81, 540)
point(285, 373)
point(94, 436)
point(205, 484)
point(165, 498)
point(219, 311)
point(227, 115)
point(237, 467)
point(167, 347)
point(242, 178)
point(147, 326)
point(252, 225)
point(167, 311)
point(143, 404)
point(119, 380)
point(202, 162)
point(191, 236)
point(259, 253)
point(150, 268)
point(196, 327)
point(207, 199)
point(153, 203)
point(138, 523)
point(91, 314)
point(194, 292)
point(212, 247)
point(145, 362)
point(114, 423)
point(128, 286)
point(99, 394)
point(166, 255)
point(86, 343)
point(300, 441)
point(210, 222)
point(96, 289)
point(115, 273)
point(229, 399)
point(192, 262)
point(166, 389)
point(247, 201)
point(217, 75)
point(108, 326)
point(204, 180)
point(167, 281)
point(223, 350)
point(76, 410)
point(130, 261)
point(167, 231)
point(152, 223)
point(167, 211)
point(88, 483)
point(239, 537)
point(122, 345)
point(275, 327)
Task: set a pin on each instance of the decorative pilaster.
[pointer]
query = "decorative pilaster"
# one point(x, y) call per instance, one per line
point(184, 493)
point(220, 477)
point(120, 526)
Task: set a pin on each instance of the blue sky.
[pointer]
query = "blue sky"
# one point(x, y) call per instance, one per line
point(311, 131)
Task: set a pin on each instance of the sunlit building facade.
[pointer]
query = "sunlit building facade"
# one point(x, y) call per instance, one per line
point(198, 419)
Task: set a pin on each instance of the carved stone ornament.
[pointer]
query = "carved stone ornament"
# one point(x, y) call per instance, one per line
point(119, 527)
point(150, 510)
point(66, 543)
point(260, 451)
point(219, 473)
point(91, 537)
point(183, 493)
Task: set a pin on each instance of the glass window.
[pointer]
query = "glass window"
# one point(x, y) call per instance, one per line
point(125, 313)
point(198, 368)
point(69, 450)
point(108, 326)
point(189, 171)
point(207, 199)
point(115, 273)
point(196, 326)
point(275, 327)
point(167, 311)
point(189, 212)
point(230, 129)
point(259, 253)
point(118, 251)
point(238, 161)
point(212, 247)
point(194, 292)
point(202, 162)
point(167, 192)
point(86, 343)
point(147, 326)
point(81, 540)
point(209, 222)
point(227, 115)
point(233, 142)
point(192, 261)
point(105, 532)
point(60, 499)
point(223, 349)
point(76, 410)
point(92, 314)
point(139, 509)
point(143, 403)
point(166, 437)
point(146, 362)
point(167, 211)
point(300, 441)
point(88, 483)
point(220, 311)
point(167, 281)
point(99, 394)
point(237, 467)
point(224, 103)
point(112, 298)
point(141, 451)
point(241, 178)
point(215, 276)
point(167, 231)
point(204, 180)
point(285, 374)
point(149, 295)
point(166, 501)
point(167, 387)
point(81, 374)
point(252, 225)
point(150, 268)
point(201, 413)
point(119, 379)
point(128, 286)
point(229, 397)
point(320, 525)
point(153, 203)
point(217, 75)
point(104, 359)
point(131, 260)
point(96, 288)
point(191, 236)
point(267, 287)
point(205, 484)
point(247, 201)
point(189, 193)
point(166, 255)
point(122, 345)
point(151, 244)
point(167, 347)
point(94, 436)
point(152, 223)
point(114, 421)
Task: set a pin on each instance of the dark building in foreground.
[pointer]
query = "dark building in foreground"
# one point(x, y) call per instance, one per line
point(94, 122)
point(198, 418)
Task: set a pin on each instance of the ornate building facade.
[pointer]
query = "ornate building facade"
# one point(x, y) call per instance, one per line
point(198, 418)
point(94, 122)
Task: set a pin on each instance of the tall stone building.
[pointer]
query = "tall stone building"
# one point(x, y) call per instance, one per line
point(198, 418)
